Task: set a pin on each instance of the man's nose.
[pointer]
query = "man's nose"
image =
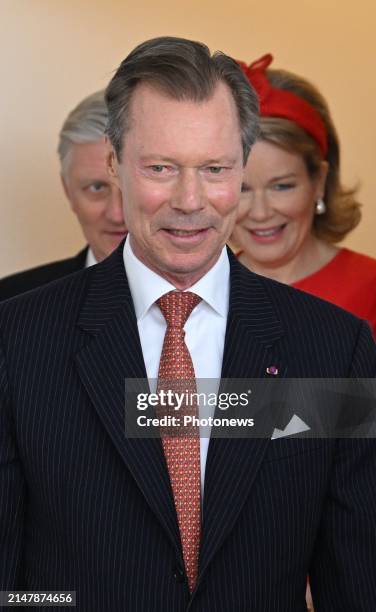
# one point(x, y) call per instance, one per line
point(114, 208)
point(188, 196)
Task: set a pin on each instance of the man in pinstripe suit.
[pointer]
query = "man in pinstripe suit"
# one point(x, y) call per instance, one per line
point(84, 508)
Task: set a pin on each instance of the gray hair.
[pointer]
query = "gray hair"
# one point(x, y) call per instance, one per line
point(86, 123)
point(184, 70)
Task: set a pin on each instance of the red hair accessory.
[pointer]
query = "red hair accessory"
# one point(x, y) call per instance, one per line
point(276, 102)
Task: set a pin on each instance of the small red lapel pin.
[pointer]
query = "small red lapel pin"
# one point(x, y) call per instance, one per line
point(272, 370)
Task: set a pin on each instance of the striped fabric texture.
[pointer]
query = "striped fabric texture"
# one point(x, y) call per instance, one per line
point(18, 283)
point(84, 508)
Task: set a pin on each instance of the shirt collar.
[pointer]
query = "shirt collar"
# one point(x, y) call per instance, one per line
point(90, 259)
point(147, 287)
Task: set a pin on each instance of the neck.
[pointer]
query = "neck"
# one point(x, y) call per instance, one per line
point(307, 261)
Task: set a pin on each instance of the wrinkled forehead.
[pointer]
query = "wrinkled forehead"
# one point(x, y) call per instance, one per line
point(159, 119)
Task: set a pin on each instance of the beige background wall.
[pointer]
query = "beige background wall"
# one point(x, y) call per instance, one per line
point(54, 52)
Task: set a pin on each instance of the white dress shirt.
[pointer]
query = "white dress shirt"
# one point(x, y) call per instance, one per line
point(90, 259)
point(204, 330)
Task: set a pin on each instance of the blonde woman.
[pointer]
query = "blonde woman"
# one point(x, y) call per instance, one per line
point(293, 209)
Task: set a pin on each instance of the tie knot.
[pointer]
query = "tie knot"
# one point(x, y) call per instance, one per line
point(176, 306)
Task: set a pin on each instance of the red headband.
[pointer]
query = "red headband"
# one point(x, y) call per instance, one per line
point(276, 102)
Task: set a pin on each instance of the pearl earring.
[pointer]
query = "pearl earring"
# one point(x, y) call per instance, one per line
point(320, 207)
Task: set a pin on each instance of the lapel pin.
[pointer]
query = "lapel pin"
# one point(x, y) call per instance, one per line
point(272, 370)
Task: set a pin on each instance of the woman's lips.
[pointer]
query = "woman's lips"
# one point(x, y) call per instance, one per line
point(268, 234)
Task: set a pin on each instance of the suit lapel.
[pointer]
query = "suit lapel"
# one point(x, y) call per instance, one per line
point(79, 261)
point(251, 346)
point(112, 355)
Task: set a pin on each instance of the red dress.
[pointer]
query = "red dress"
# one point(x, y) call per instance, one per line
point(348, 280)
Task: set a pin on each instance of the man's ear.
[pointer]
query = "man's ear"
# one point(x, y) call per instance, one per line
point(112, 164)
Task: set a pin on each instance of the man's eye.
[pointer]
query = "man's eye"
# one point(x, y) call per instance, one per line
point(215, 169)
point(97, 187)
point(158, 168)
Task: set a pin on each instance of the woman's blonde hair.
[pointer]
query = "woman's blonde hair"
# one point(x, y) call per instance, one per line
point(342, 209)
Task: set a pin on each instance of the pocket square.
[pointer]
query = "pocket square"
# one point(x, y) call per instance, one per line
point(295, 426)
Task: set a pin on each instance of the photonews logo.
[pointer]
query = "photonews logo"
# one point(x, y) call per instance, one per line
point(269, 407)
point(176, 400)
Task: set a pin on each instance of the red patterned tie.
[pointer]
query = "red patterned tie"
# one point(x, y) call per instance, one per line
point(182, 451)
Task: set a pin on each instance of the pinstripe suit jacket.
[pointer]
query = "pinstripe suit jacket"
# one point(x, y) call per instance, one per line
point(13, 285)
point(83, 508)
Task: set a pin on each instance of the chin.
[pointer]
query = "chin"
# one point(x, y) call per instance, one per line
point(190, 261)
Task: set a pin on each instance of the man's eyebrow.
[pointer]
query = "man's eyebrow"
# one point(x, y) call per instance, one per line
point(92, 179)
point(154, 157)
point(223, 161)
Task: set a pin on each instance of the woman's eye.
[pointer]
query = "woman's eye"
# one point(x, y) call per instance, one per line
point(245, 188)
point(283, 186)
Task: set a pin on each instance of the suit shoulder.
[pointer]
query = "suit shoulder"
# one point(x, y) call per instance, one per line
point(27, 280)
point(55, 300)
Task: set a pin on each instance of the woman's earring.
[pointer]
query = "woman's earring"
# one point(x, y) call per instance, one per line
point(320, 207)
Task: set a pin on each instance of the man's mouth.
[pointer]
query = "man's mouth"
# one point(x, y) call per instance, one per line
point(185, 238)
point(184, 232)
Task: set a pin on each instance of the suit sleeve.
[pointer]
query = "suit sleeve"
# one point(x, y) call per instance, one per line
point(12, 492)
point(343, 566)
